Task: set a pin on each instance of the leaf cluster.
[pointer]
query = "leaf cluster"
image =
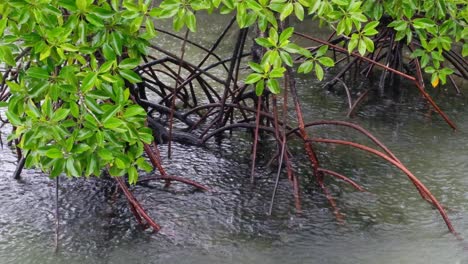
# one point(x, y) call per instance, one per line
point(70, 101)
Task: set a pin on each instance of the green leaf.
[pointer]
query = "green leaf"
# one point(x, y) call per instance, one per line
point(134, 110)
point(429, 70)
point(121, 164)
point(81, 4)
point(319, 72)
point(326, 61)
point(13, 118)
point(273, 86)
point(72, 168)
point(262, 22)
point(110, 113)
point(352, 45)
point(259, 87)
point(178, 22)
point(80, 148)
point(3, 24)
point(106, 66)
point(32, 110)
point(92, 105)
point(82, 32)
point(7, 56)
point(362, 47)
point(54, 153)
point(277, 72)
point(105, 154)
point(132, 175)
point(306, 67)
point(38, 73)
point(254, 5)
point(91, 165)
point(423, 23)
point(113, 123)
point(130, 75)
point(264, 42)
point(116, 172)
point(341, 27)
point(294, 48)
point(255, 66)
point(286, 58)
point(88, 81)
point(369, 43)
point(143, 164)
point(191, 21)
point(103, 12)
point(286, 34)
point(369, 29)
point(465, 50)
point(108, 52)
point(57, 168)
point(299, 11)
point(272, 57)
point(273, 36)
point(398, 25)
point(116, 43)
point(340, 2)
point(287, 10)
point(316, 4)
point(150, 31)
point(129, 63)
point(60, 114)
point(146, 136)
point(253, 78)
point(68, 47)
point(322, 50)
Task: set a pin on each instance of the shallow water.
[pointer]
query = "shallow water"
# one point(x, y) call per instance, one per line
point(229, 224)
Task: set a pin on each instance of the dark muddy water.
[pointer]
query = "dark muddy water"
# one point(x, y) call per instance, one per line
point(387, 224)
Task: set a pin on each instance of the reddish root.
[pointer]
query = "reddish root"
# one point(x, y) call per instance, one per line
point(342, 177)
point(421, 187)
point(136, 207)
point(331, 200)
point(178, 179)
point(153, 154)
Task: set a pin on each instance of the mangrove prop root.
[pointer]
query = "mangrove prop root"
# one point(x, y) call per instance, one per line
point(355, 127)
point(186, 181)
point(357, 103)
point(154, 157)
point(210, 113)
point(342, 177)
point(136, 207)
point(336, 211)
point(400, 166)
point(308, 147)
